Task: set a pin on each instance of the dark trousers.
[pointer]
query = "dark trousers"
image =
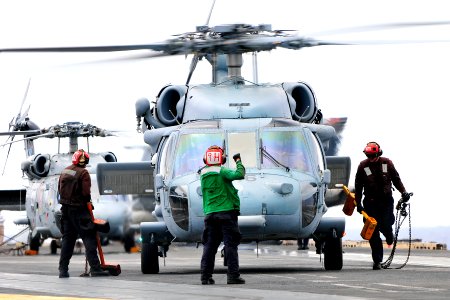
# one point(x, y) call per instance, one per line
point(221, 226)
point(383, 212)
point(77, 221)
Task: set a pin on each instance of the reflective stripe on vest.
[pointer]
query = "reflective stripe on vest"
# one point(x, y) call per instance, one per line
point(384, 168)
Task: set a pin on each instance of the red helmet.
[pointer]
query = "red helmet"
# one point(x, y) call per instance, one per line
point(372, 150)
point(80, 157)
point(214, 156)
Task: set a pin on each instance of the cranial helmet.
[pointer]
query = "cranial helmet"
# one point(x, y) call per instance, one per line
point(80, 157)
point(372, 150)
point(214, 156)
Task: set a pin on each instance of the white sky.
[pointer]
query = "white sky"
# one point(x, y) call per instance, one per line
point(393, 94)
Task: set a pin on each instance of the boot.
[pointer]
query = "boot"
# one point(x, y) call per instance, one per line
point(208, 281)
point(235, 280)
point(63, 274)
point(376, 266)
point(97, 272)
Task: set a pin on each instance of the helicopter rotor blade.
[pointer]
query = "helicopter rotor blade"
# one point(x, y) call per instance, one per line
point(378, 27)
point(6, 160)
point(48, 134)
point(26, 132)
point(237, 38)
point(194, 62)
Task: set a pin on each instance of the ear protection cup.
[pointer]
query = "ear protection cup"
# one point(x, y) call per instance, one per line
point(373, 149)
point(214, 155)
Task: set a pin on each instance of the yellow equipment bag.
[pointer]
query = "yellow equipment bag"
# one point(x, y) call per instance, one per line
point(348, 209)
point(350, 204)
point(369, 226)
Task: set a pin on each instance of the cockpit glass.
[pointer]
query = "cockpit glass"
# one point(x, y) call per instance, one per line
point(243, 143)
point(288, 148)
point(190, 150)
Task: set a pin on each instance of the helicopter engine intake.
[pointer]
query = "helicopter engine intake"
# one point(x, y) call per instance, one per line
point(302, 100)
point(170, 105)
point(109, 156)
point(37, 167)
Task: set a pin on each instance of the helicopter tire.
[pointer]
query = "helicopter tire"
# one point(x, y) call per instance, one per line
point(333, 257)
point(35, 242)
point(149, 258)
point(53, 247)
point(128, 242)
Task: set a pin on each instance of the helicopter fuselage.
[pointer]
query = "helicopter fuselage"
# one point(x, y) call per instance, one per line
point(282, 194)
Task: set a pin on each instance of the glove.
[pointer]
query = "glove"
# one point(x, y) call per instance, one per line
point(237, 156)
point(405, 196)
point(359, 207)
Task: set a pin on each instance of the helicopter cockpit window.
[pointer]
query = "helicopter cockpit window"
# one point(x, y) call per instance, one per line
point(245, 144)
point(317, 152)
point(164, 159)
point(190, 150)
point(287, 148)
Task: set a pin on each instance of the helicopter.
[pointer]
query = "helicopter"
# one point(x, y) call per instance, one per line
point(278, 129)
point(42, 171)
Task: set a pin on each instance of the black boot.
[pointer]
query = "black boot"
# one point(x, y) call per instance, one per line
point(63, 274)
point(97, 272)
point(208, 281)
point(235, 280)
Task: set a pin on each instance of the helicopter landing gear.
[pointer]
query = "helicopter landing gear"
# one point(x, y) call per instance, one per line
point(128, 241)
point(333, 257)
point(54, 245)
point(34, 242)
point(149, 257)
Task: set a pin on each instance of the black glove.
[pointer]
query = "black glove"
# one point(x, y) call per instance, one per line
point(359, 207)
point(237, 156)
point(405, 196)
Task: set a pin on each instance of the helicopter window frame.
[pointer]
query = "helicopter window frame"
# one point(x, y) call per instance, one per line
point(166, 146)
point(194, 152)
point(317, 151)
point(305, 152)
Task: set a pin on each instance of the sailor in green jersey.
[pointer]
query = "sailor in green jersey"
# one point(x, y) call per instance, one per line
point(221, 206)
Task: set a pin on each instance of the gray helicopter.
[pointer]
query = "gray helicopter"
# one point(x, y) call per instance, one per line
point(42, 171)
point(277, 128)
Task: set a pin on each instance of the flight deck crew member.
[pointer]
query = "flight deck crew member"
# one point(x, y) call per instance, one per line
point(375, 176)
point(75, 192)
point(221, 206)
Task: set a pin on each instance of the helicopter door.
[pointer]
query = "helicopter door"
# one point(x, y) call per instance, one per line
point(164, 166)
point(319, 165)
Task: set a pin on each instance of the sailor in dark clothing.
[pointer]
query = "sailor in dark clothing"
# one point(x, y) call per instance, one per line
point(75, 192)
point(375, 177)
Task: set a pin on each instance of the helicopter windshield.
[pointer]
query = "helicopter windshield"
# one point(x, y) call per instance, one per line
point(288, 148)
point(190, 151)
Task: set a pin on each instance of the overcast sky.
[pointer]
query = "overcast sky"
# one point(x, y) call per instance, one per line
point(396, 94)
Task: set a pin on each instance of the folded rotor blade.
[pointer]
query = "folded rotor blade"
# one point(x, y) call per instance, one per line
point(49, 134)
point(26, 132)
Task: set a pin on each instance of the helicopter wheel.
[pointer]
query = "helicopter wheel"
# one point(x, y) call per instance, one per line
point(53, 247)
point(128, 242)
point(333, 259)
point(149, 258)
point(35, 242)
